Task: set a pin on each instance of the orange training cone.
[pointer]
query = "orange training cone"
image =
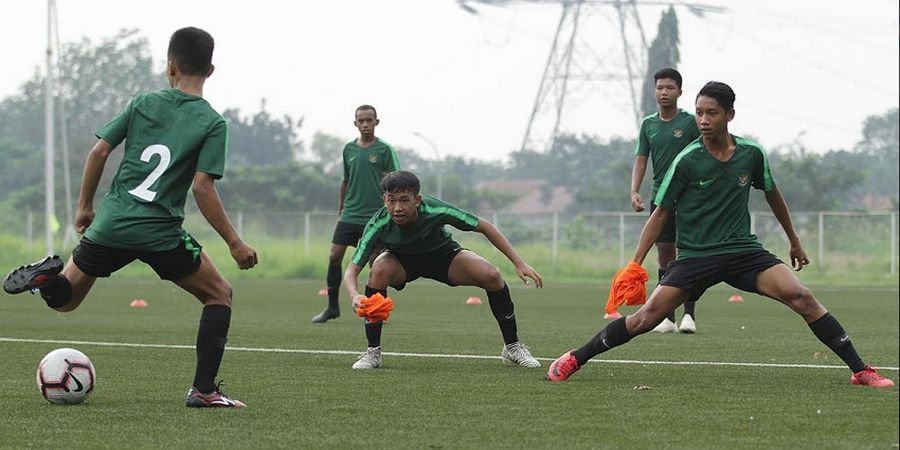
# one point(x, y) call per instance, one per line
point(138, 303)
point(473, 300)
point(614, 316)
point(735, 298)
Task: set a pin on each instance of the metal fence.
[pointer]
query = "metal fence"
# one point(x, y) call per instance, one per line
point(835, 241)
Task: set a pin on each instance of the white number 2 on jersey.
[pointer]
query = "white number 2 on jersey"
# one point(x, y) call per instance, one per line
point(143, 191)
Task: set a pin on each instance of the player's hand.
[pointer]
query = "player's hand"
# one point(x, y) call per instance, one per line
point(357, 301)
point(798, 257)
point(637, 202)
point(243, 255)
point(83, 219)
point(525, 272)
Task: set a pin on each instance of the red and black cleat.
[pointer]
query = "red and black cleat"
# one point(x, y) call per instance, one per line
point(33, 276)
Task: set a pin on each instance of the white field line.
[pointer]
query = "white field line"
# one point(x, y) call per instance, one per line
point(426, 355)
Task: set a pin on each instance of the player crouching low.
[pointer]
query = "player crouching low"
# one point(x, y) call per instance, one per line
point(410, 229)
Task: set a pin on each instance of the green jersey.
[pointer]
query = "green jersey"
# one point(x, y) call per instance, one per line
point(363, 169)
point(169, 136)
point(424, 236)
point(662, 140)
point(710, 198)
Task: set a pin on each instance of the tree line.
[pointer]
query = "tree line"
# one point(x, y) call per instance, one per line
point(271, 169)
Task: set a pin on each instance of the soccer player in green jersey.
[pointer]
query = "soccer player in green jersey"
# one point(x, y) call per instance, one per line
point(662, 136)
point(410, 229)
point(366, 160)
point(710, 183)
point(174, 141)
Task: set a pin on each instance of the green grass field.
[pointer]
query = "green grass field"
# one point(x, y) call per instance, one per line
point(301, 393)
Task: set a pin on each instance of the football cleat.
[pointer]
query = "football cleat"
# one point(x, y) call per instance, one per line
point(371, 359)
point(666, 326)
point(869, 377)
point(326, 315)
point(687, 325)
point(518, 353)
point(215, 399)
point(33, 276)
point(563, 367)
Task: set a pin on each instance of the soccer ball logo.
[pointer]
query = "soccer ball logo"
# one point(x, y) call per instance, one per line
point(65, 376)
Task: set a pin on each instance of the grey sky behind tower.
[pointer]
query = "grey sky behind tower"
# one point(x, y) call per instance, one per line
point(803, 70)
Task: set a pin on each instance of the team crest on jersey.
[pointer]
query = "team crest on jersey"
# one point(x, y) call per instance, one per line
point(678, 132)
point(373, 158)
point(743, 179)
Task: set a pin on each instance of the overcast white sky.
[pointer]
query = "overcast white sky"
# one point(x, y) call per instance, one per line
point(808, 68)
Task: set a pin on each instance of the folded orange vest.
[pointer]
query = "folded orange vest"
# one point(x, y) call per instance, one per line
point(376, 308)
point(628, 287)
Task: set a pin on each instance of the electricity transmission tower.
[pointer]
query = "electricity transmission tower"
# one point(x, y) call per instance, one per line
point(574, 65)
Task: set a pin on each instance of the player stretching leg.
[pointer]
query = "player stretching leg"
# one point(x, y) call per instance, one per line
point(710, 181)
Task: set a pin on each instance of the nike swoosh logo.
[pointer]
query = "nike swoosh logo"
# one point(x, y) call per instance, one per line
point(702, 183)
point(844, 339)
point(510, 316)
point(352, 158)
point(80, 387)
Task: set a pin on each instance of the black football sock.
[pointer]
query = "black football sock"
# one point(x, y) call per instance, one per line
point(373, 333)
point(211, 338)
point(660, 274)
point(832, 334)
point(505, 313)
point(373, 330)
point(370, 291)
point(613, 335)
point(333, 281)
point(58, 292)
point(689, 309)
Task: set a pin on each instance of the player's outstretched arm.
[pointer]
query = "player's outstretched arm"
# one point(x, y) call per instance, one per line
point(93, 170)
point(351, 277)
point(650, 233)
point(210, 205)
point(780, 209)
point(523, 270)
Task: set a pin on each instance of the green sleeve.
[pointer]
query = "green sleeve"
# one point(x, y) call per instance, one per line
point(393, 161)
point(346, 165)
point(214, 151)
point(762, 176)
point(642, 146)
point(371, 237)
point(115, 131)
point(673, 183)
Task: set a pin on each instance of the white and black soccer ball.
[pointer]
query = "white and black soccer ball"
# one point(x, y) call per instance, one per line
point(65, 376)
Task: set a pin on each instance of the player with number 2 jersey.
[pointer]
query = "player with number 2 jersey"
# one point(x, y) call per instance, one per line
point(174, 141)
point(171, 136)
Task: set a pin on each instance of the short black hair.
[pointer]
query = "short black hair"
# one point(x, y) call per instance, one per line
point(364, 108)
point(669, 73)
point(191, 49)
point(400, 181)
point(720, 91)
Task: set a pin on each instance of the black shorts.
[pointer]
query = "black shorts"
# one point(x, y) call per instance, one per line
point(347, 234)
point(101, 261)
point(668, 232)
point(434, 265)
point(739, 270)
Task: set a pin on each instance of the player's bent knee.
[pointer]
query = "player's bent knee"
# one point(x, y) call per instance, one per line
point(219, 293)
point(491, 280)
